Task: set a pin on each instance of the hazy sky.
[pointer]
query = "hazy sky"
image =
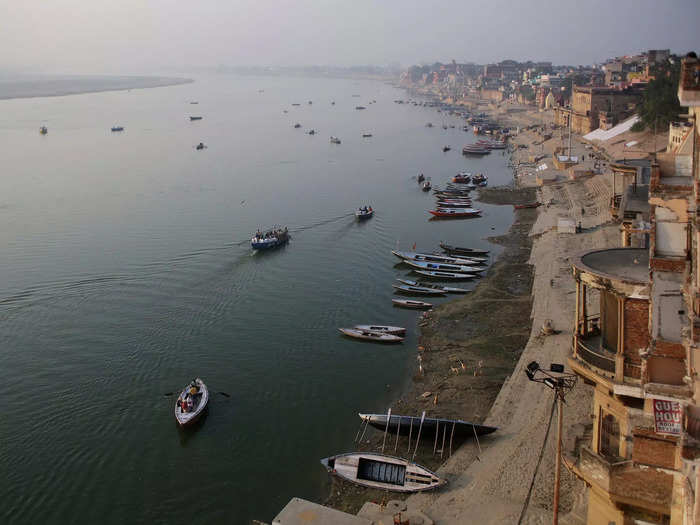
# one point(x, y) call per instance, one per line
point(133, 36)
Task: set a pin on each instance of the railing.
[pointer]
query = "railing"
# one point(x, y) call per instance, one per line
point(590, 326)
point(598, 358)
point(632, 370)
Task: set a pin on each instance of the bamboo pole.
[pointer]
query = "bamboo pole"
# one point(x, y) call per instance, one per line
point(420, 428)
point(386, 429)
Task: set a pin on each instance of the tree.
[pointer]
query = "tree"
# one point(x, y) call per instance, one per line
point(660, 104)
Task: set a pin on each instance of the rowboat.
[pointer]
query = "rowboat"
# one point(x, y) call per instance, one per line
point(445, 204)
point(364, 213)
point(463, 251)
point(449, 213)
point(445, 275)
point(381, 329)
point(426, 186)
point(335, 140)
point(271, 238)
point(447, 289)
point(117, 128)
point(195, 118)
point(412, 256)
point(191, 402)
point(443, 267)
point(528, 205)
point(453, 194)
point(368, 335)
point(475, 150)
point(417, 290)
point(406, 303)
point(403, 424)
point(380, 471)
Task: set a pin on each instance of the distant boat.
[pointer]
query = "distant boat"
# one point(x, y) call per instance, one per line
point(191, 403)
point(195, 118)
point(448, 289)
point(296, 104)
point(271, 238)
point(297, 125)
point(528, 205)
point(117, 128)
point(417, 290)
point(426, 186)
point(454, 204)
point(366, 135)
point(379, 471)
point(370, 335)
point(360, 107)
point(363, 213)
point(335, 140)
point(310, 102)
point(43, 130)
point(194, 102)
point(445, 149)
point(429, 125)
point(450, 213)
point(444, 267)
point(311, 132)
point(403, 425)
point(475, 150)
point(200, 146)
point(421, 178)
point(445, 275)
point(431, 257)
point(406, 303)
point(463, 251)
point(382, 329)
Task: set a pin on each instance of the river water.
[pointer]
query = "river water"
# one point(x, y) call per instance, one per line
point(126, 270)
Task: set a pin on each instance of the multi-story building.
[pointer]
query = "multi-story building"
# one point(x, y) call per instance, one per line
point(588, 102)
point(637, 342)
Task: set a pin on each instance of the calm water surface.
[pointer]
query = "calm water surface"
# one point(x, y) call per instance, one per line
point(126, 270)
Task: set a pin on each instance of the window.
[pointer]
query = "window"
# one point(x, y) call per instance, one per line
point(609, 436)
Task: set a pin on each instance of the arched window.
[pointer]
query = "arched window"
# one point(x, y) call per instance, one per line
point(609, 436)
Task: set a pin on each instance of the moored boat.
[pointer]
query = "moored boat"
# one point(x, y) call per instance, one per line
point(448, 289)
point(360, 107)
point(444, 267)
point(366, 135)
point(413, 256)
point(527, 205)
point(461, 213)
point(447, 204)
point(475, 150)
point(449, 248)
point(117, 128)
point(195, 118)
point(270, 238)
point(406, 303)
point(382, 329)
point(191, 402)
point(370, 335)
point(379, 471)
point(403, 424)
point(435, 274)
point(417, 290)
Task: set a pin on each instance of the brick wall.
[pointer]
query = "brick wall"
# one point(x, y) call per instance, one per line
point(652, 449)
point(636, 329)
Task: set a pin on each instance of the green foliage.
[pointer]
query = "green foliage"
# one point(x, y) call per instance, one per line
point(660, 104)
point(527, 92)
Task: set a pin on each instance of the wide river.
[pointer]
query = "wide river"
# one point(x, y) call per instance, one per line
point(126, 270)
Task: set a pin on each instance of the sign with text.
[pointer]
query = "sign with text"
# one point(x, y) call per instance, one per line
point(668, 417)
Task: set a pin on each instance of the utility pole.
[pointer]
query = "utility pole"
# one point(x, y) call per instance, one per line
point(562, 383)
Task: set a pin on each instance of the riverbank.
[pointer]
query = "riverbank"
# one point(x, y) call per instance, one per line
point(32, 86)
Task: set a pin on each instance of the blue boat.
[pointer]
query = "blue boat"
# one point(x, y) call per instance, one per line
point(271, 238)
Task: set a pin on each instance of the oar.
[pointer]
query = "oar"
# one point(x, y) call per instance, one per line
point(224, 394)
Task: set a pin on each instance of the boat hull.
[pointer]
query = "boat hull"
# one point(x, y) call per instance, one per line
point(381, 329)
point(416, 305)
point(402, 425)
point(445, 275)
point(380, 471)
point(185, 419)
point(367, 335)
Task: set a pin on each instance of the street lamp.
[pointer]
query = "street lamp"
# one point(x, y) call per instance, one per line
point(562, 383)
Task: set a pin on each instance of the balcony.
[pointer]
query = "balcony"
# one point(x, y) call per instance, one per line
point(689, 85)
point(625, 482)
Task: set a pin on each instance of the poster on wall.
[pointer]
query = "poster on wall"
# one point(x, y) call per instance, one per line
point(668, 417)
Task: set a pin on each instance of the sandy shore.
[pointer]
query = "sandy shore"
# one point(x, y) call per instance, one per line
point(496, 332)
point(31, 86)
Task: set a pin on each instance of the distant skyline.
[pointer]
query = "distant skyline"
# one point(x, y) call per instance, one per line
point(140, 36)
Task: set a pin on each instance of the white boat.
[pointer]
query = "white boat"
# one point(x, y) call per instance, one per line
point(417, 290)
point(382, 329)
point(380, 471)
point(446, 259)
point(191, 402)
point(406, 303)
point(448, 289)
point(444, 267)
point(364, 213)
point(369, 335)
point(445, 275)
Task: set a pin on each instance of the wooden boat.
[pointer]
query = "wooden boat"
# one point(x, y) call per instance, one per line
point(117, 128)
point(445, 149)
point(417, 290)
point(426, 185)
point(193, 399)
point(200, 146)
point(379, 471)
point(368, 335)
point(413, 256)
point(434, 274)
point(528, 205)
point(452, 194)
point(360, 107)
point(443, 267)
point(366, 135)
point(43, 130)
point(405, 303)
point(447, 289)
point(460, 250)
point(311, 132)
point(449, 213)
point(271, 238)
point(421, 178)
point(461, 179)
point(297, 125)
point(402, 425)
point(195, 118)
point(335, 140)
point(475, 150)
point(446, 204)
point(382, 329)
point(364, 213)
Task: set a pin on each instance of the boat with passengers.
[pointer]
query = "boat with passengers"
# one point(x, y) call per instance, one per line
point(272, 238)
